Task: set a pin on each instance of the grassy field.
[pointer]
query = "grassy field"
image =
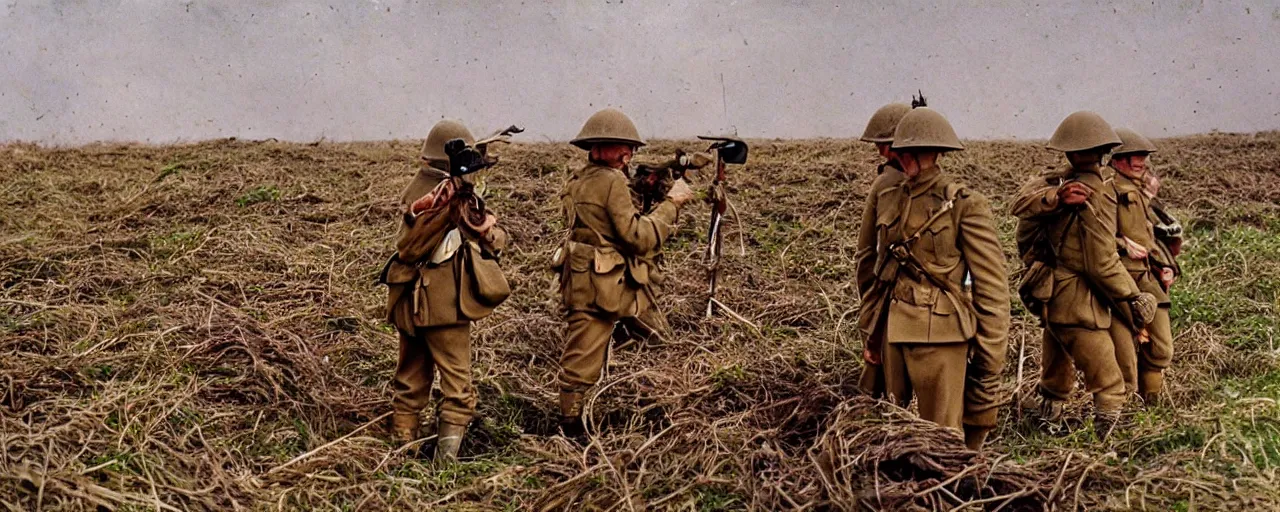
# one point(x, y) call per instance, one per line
point(179, 323)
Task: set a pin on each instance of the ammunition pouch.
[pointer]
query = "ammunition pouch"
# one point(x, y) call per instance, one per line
point(609, 279)
point(595, 278)
point(947, 299)
point(488, 287)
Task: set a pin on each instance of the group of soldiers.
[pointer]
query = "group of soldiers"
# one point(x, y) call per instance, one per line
point(931, 273)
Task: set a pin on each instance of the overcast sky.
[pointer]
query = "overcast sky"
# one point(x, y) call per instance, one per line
point(159, 71)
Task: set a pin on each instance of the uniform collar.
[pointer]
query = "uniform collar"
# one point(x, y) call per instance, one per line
point(924, 181)
point(889, 165)
point(1095, 168)
point(592, 168)
point(1091, 175)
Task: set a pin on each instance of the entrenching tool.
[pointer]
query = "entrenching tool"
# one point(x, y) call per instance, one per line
point(728, 150)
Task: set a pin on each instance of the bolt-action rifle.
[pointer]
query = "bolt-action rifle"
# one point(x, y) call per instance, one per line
point(652, 181)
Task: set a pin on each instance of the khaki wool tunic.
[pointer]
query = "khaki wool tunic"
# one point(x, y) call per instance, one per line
point(1084, 248)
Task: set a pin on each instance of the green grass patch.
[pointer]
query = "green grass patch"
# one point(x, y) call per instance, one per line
point(170, 170)
point(728, 376)
point(710, 498)
point(259, 194)
point(1231, 280)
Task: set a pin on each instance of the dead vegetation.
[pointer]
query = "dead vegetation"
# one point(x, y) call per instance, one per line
point(197, 327)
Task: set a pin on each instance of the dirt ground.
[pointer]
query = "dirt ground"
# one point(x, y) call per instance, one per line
point(179, 324)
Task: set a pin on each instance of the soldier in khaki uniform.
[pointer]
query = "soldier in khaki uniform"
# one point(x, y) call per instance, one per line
point(943, 340)
point(605, 274)
point(1075, 279)
point(433, 298)
point(879, 131)
point(1144, 357)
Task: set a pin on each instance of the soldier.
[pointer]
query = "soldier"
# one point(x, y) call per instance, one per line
point(605, 274)
point(879, 131)
point(943, 340)
point(1075, 280)
point(1143, 357)
point(433, 296)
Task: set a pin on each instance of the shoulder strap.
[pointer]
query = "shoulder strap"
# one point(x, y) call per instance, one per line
point(950, 193)
point(954, 192)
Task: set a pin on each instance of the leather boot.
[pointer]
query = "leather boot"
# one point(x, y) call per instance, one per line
point(571, 415)
point(448, 440)
point(1151, 386)
point(1104, 423)
point(1050, 409)
point(975, 436)
point(404, 426)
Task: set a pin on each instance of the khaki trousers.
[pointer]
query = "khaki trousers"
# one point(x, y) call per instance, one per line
point(1093, 351)
point(446, 349)
point(1142, 365)
point(585, 351)
point(934, 372)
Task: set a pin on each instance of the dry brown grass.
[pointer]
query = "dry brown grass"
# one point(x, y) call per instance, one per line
point(178, 323)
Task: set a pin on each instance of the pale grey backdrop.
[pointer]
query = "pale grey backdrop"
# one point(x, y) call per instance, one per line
point(77, 71)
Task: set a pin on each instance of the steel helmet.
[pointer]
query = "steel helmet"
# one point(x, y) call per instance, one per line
point(1083, 131)
point(1132, 142)
point(608, 125)
point(444, 131)
point(883, 122)
point(925, 128)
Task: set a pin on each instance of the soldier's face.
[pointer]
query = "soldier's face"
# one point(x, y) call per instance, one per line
point(910, 166)
point(613, 155)
point(913, 162)
point(1132, 165)
point(883, 148)
point(1083, 158)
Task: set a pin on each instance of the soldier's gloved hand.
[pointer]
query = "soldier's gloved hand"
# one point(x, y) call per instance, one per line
point(1134, 249)
point(1144, 308)
point(680, 192)
point(1074, 193)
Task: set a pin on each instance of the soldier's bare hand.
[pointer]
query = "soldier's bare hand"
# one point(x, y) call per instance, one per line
point(1151, 185)
point(1144, 336)
point(1074, 193)
point(1167, 277)
point(1135, 250)
point(680, 192)
point(870, 357)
